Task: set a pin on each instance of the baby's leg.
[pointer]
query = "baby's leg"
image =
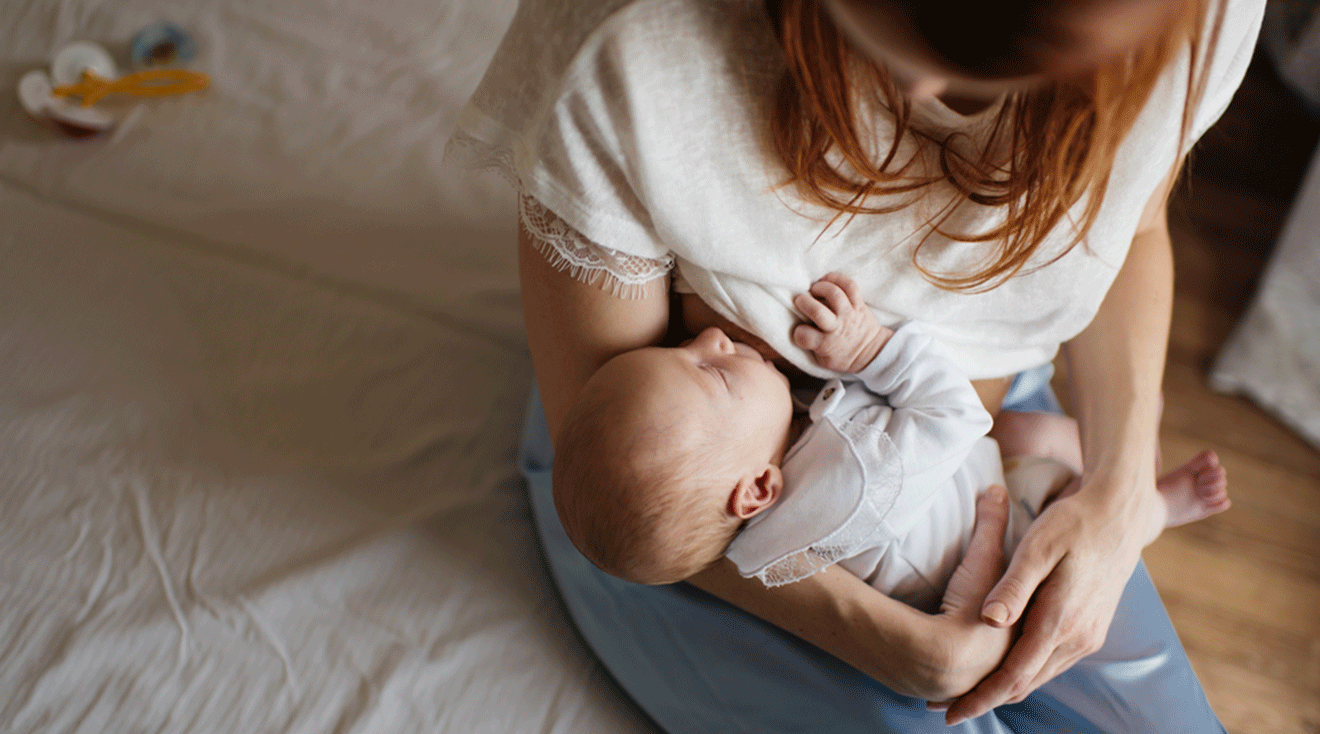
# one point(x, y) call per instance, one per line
point(1038, 434)
point(1194, 491)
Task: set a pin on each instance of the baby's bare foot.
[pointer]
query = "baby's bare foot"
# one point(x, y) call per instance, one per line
point(1194, 491)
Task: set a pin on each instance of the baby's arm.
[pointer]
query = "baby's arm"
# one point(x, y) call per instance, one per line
point(937, 416)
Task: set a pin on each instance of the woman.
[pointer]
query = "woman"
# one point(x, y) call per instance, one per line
point(996, 170)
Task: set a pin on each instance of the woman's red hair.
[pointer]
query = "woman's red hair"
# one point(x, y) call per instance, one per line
point(1060, 139)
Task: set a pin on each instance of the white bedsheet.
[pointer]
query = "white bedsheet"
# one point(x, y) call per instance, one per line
point(261, 381)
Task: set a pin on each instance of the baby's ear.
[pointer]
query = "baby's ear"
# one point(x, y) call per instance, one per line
point(755, 492)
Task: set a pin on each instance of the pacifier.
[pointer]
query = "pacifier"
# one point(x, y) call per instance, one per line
point(36, 90)
point(161, 44)
point(85, 72)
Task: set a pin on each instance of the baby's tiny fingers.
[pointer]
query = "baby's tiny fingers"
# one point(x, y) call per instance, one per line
point(816, 311)
point(807, 337)
point(849, 286)
point(832, 294)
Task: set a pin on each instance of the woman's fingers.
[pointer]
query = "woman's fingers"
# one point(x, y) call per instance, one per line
point(981, 567)
point(817, 312)
point(1071, 640)
point(1057, 664)
point(983, 563)
point(1034, 651)
point(1008, 599)
point(1024, 661)
point(976, 648)
point(998, 688)
point(832, 295)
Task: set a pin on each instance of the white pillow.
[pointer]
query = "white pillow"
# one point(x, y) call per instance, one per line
point(1274, 355)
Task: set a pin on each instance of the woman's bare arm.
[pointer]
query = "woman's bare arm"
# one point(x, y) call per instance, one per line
point(1078, 555)
point(935, 657)
point(573, 328)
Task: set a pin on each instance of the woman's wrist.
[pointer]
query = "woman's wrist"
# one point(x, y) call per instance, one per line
point(1119, 465)
point(924, 656)
point(885, 638)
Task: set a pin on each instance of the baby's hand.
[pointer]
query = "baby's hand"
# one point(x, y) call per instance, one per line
point(846, 336)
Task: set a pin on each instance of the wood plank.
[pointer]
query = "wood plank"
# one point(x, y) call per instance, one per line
point(1230, 421)
point(1291, 659)
point(1237, 585)
point(1249, 703)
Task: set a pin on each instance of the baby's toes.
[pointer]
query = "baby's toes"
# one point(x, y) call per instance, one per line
point(1205, 460)
point(1212, 483)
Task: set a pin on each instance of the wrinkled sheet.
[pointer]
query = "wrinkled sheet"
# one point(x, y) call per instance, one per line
point(261, 380)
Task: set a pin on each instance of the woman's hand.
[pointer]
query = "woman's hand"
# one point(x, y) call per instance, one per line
point(1076, 558)
point(955, 649)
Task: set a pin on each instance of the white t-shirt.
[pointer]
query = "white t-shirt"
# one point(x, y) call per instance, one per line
point(642, 124)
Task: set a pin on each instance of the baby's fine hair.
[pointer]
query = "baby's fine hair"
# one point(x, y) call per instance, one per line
point(630, 496)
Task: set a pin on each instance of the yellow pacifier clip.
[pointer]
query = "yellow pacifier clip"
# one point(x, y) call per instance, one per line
point(149, 83)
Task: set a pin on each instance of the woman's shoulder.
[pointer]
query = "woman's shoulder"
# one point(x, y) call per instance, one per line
point(660, 24)
point(671, 46)
point(608, 112)
point(547, 38)
point(1212, 70)
point(1230, 39)
point(617, 65)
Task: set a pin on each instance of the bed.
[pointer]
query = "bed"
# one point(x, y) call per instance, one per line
point(263, 375)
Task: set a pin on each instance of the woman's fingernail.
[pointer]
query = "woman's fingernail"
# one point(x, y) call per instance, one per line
point(937, 707)
point(954, 721)
point(995, 612)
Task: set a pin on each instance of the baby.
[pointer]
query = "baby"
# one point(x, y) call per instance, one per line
point(670, 459)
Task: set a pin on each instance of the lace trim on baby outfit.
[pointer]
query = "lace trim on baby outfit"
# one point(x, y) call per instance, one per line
point(883, 471)
point(565, 248)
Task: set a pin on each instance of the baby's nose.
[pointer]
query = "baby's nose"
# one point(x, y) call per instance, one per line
point(717, 339)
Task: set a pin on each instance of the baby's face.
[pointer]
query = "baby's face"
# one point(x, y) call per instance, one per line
point(724, 389)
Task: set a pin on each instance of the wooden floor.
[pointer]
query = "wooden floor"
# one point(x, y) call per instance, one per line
point(1243, 588)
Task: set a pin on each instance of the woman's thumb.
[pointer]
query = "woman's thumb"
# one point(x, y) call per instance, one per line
point(1005, 603)
point(983, 564)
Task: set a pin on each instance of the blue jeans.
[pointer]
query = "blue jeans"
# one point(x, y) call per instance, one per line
point(698, 665)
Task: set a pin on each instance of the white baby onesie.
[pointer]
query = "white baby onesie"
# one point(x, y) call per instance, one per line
point(885, 479)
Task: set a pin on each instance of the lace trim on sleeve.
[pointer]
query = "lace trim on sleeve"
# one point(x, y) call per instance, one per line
point(565, 248)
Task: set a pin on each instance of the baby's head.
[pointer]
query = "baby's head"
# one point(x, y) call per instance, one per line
point(667, 452)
